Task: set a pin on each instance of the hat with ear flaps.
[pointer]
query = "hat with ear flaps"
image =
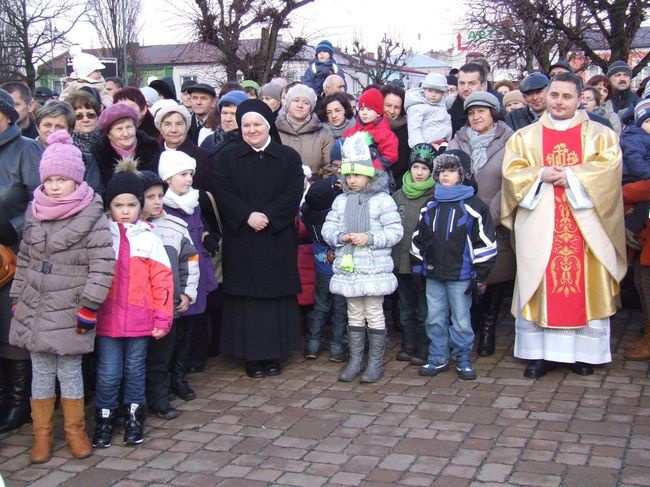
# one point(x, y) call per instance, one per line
point(447, 162)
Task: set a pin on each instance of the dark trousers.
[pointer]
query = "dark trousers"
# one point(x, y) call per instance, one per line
point(159, 359)
point(412, 301)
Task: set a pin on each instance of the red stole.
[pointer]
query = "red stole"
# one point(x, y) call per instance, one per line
point(565, 271)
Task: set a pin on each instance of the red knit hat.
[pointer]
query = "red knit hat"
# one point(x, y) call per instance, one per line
point(372, 99)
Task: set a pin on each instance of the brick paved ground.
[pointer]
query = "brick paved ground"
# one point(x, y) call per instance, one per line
point(305, 428)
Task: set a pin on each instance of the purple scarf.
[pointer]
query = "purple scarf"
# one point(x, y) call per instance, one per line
point(45, 208)
point(130, 152)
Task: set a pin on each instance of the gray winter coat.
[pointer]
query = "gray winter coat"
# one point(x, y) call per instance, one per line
point(427, 122)
point(19, 161)
point(313, 141)
point(62, 266)
point(489, 180)
point(373, 265)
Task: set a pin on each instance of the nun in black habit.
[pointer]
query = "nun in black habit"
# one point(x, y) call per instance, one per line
point(259, 185)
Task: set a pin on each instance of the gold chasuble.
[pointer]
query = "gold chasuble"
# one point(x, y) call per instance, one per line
point(569, 261)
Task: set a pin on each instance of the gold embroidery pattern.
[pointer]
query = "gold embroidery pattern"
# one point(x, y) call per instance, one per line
point(566, 265)
point(562, 156)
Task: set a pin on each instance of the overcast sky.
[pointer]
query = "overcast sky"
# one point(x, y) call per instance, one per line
point(421, 24)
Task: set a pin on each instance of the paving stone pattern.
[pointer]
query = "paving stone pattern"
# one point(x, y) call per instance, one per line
point(304, 428)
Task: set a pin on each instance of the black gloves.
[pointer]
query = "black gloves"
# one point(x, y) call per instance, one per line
point(477, 288)
point(211, 243)
point(8, 234)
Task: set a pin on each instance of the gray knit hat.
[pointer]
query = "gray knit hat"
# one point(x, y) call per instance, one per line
point(271, 90)
point(618, 67)
point(302, 91)
point(481, 99)
point(8, 106)
point(435, 81)
point(447, 162)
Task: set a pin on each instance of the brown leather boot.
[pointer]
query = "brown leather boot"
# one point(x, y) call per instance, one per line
point(42, 415)
point(74, 425)
point(642, 352)
point(628, 346)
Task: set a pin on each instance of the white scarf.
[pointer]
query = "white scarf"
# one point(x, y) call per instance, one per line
point(185, 202)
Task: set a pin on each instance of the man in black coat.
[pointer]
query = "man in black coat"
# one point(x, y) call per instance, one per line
point(203, 98)
point(620, 76)
point(533, 88)
point(471, 77)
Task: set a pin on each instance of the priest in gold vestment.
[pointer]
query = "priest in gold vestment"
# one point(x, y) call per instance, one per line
point(561, 198)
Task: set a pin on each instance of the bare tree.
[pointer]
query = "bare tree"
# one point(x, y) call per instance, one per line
point(114, 25)
point(28, 32)
point(539, 31)
point(9, 57)
point(223, 24)
point(613, 23)
point(378, 67)
point(508, 33)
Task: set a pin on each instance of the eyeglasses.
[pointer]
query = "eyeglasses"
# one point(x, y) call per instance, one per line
point(89, 116)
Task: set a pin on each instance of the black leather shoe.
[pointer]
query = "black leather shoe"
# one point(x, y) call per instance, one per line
point(581, 368)
point(168, 413)
point(195, 369)
point(538, 368)
point(271, 367)
point(254, 370)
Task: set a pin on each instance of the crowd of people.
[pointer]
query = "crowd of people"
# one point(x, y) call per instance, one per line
point(142, 232)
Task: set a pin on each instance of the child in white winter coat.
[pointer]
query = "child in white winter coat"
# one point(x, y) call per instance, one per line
point(363, 226)
point(426, 111)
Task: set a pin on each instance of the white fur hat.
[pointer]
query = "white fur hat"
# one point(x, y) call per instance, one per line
point(435, 81)
point(83, 63)
point(174, 161)
point(164, 107)
point(302, 91)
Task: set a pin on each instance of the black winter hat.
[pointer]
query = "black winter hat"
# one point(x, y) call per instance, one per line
point(424, 154)
point(321, 195)
point(561, 64)
point(164, 86)
point(127, 179)
point(150, 178)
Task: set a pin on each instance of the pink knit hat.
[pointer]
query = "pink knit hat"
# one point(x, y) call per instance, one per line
point(61, 158)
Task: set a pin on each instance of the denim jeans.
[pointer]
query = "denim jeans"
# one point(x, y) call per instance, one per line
point(117, 359)
point(443, 297)
point(327, 304)
point(412, 303)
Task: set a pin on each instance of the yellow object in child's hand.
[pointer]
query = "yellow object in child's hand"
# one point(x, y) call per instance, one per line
point(347, 263)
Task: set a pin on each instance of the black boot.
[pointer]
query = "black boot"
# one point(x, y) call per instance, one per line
point(18, 412)
point(103, 436)
point(181, 359)
point(4, 387)
point(490, 306)
point(133, 424)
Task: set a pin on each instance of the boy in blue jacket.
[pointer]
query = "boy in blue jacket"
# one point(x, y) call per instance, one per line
point(321, 67)
point(454, 246)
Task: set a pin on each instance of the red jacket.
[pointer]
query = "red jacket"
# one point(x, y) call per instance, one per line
point(306, 265)
point(633, 193)
point(385, 141)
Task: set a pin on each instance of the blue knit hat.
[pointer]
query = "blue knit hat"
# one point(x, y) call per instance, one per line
point(8, 106)
point(325, 46)
point(641, 112)
point(335, 151)
point(234, 97)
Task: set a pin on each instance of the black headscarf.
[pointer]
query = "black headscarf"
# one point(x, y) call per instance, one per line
point(258, 106)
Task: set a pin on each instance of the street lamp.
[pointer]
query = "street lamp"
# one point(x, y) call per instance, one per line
point(52, 31)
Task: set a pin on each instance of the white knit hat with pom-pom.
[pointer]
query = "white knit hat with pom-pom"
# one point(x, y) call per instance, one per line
point(83, 63)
